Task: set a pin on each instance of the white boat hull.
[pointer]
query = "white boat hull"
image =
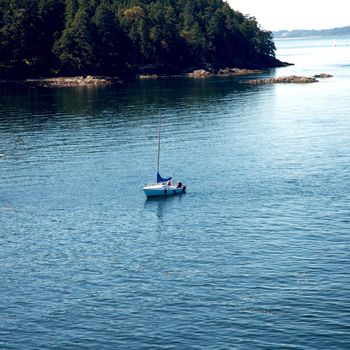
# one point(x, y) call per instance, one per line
point(160, 190)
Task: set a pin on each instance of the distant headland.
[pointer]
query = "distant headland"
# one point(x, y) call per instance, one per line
point(301, 33)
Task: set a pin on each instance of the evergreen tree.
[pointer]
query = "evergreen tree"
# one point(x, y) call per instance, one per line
point(113, 47)
point(51, 24)
point(19, 45)
point(75, 48)
point(119, 37)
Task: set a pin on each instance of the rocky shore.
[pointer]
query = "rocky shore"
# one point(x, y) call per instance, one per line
point(292, 79)
point(204, 73)
point(72, 81)
point(80, 81)
point(92, 81)
point(226, 72)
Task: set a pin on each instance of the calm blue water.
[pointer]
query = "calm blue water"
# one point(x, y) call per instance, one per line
point(254, 256)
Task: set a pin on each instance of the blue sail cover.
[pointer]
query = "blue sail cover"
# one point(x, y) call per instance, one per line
point(160, 179)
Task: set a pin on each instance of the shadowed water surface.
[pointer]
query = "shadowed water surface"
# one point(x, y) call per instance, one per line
point(254, 256)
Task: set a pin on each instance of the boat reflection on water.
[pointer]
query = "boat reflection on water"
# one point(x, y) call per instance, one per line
point(162, 205)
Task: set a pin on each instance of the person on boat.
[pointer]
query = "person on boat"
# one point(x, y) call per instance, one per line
point(169, 183)
point(178, 184)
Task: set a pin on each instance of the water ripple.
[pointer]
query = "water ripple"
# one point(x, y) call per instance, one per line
point(255, 255)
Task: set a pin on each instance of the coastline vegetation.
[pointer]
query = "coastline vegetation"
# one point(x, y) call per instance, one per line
point(127, 37)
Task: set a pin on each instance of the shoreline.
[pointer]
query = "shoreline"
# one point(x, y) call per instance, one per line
point(98, 81)
point(291, 79)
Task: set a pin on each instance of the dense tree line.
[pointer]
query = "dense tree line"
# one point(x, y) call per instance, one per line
point(123, 37)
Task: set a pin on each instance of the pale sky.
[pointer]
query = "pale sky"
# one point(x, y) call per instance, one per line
point(296, 14)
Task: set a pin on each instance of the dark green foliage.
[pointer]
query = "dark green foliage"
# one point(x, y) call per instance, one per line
point(123, 37)
point(27, 33)
point(75, 47)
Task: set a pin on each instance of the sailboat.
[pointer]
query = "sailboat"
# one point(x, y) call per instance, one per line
point(163, 186)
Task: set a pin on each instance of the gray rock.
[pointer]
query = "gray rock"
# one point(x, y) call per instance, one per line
point(294, 79)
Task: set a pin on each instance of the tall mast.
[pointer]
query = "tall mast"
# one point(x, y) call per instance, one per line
point(160, 124)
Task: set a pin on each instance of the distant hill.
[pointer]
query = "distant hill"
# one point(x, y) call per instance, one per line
point(307, 33)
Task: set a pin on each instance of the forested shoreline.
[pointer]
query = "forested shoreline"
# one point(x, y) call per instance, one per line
point(127, 37)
